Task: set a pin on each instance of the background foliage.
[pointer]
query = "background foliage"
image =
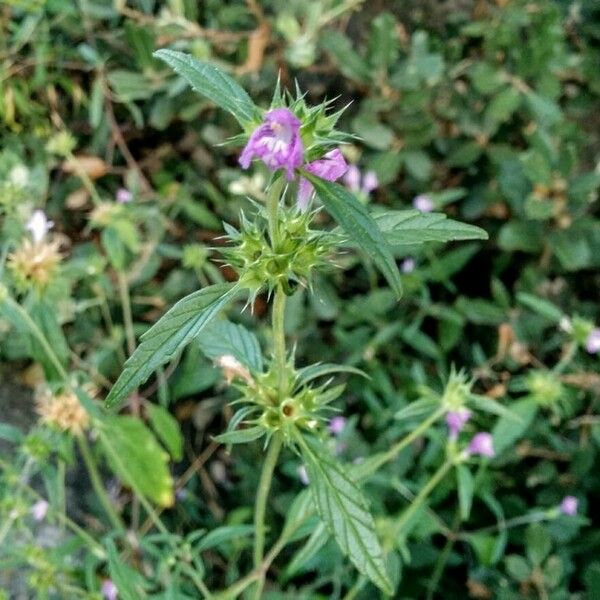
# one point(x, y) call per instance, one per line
point(488, 107)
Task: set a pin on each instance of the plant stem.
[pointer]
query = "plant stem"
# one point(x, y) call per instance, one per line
point(38, 334)
point(260, 506)
point(273, 198)
point(278, 323)
point(421, 497)
point(86, 453)
point(372, 466)
point(127, 315)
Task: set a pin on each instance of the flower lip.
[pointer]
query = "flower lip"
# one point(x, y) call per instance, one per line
point(331, 167)
point(592, 342)
point(456, 420)
point(276, 142)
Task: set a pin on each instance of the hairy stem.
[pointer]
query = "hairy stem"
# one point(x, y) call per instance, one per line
point(97, 484)
point(260, 506)
point(278, 318)
point(421, 497)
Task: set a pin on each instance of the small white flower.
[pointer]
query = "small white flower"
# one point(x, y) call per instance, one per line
point(39, 225)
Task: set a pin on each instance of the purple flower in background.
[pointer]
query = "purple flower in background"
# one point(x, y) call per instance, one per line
point(123, 196)
point(370, 182)
point(592, 343)
point(331, 167)
point(39, 510)
point(423, 203)
point(482, 444)
point(569, 505)
point(109, 590)
point(303, 475)
point(408, 265)
point(337, 425)
point(352, 178)
point(355, 181)
point(456, 420)
point(276, 142)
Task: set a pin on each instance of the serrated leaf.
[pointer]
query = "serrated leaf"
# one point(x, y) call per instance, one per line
point(343, 508)
point(360, 226)
point(169, 335)
point(223, 337)
point(167, 429)
point(137, 458)
point(404, 227)
point(212, 83)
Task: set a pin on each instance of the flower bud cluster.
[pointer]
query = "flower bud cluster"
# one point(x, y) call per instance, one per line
point(289, 262)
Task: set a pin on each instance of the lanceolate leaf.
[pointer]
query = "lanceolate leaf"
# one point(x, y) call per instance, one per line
point(212, 83)
point(137, 458)
point(223, 337)
point(360, 226)
point(403, 227)
point(344, 510)
point(166, 338)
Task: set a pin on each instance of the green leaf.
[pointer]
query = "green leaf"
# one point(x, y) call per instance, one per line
point(167, 429)
point(518, 568)
point(418, 408)
point(311, 372)
point(169, 335)
point(241, 436)
point(466, 487)
point(224, 337)
point(222, 535)
point(212, 83)
point(541, 306)
point(137, 458)
point(318, 538)
point(538, 543)
point(506, 431)
point(360, 226)
point(343, 508)
point(404, 227)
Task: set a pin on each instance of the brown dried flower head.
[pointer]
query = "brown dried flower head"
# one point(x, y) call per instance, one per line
point(34, 264)
point(63, 411)
point(233, 368)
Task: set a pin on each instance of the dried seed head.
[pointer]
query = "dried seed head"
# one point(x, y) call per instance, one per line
point(34, 264)
point(63, 411)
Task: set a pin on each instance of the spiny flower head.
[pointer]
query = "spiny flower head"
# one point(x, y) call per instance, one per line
point(63, 411)
point(34, 264)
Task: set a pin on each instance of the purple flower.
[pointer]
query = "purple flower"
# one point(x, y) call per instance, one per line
point(352, 178)
point(482, 444)
point(370, 182)
point(568, 506)
point(123, 196)
point(39, 510)
point(408, 265)
point(109, 590)
point(456, 420)
point(337, 425)
point(331, 167)
point(357, 182)
point(303, 475)
point(592, 343)
point(423, 203)
point(276, 142)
